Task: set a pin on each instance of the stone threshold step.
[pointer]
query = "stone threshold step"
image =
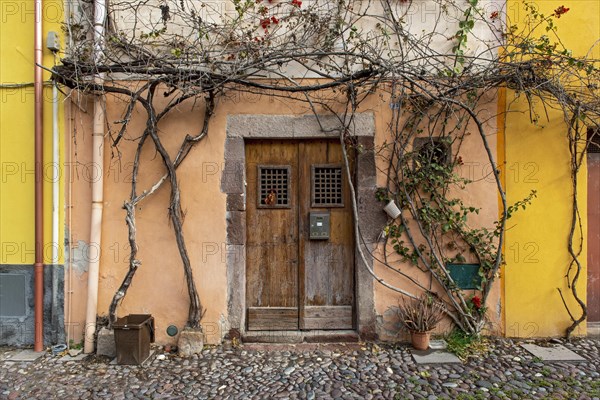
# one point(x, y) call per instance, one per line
point(593, 329)
point(317, 336)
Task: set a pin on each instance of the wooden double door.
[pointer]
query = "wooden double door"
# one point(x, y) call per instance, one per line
point(299, 244)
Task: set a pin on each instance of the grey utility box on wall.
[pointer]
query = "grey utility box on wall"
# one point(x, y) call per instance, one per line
point(319, 225)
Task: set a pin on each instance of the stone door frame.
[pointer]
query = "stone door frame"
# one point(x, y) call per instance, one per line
point(233, 183)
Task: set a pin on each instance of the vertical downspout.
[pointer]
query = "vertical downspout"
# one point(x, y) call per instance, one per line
point(38, 344)
point(55, 201)
point(69, 198)
point(97, 185)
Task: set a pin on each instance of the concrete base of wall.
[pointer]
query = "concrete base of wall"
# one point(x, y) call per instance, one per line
point(19, 330)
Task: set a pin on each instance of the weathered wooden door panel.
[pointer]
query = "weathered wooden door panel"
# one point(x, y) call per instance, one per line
point(293, 282)
point(327, 266)
point(327, 317)
point(593, 296)
point(271, 244)
point(272, 318)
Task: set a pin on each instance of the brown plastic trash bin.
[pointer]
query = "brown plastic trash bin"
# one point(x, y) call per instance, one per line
point(133, 335)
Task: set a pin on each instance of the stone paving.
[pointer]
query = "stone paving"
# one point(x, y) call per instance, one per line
point(303, 371)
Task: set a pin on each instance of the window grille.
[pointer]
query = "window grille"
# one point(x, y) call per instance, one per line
point(432, 151)
point(327, 185)
point(274, 186)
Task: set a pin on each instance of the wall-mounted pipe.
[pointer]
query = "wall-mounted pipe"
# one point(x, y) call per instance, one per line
point(97, 186)
point(55, 199)
point(69, 157)
point(38, 343)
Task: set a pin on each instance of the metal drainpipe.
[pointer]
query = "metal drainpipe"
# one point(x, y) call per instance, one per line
point(55, 198)
point(97, 185)
point(38, 344)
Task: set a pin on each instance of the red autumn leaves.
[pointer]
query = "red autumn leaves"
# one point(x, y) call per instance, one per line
point(560, 11)
point(265, 23)
point(557, 13)
point(476, 300)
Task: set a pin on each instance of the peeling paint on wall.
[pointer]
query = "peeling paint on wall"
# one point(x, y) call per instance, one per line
point(78, 257)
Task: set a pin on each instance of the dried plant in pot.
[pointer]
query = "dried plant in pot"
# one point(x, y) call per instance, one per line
point(420, 316)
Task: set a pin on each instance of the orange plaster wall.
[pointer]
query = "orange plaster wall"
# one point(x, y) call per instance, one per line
point(159, 286)
point(78, 184)
point(481, 193)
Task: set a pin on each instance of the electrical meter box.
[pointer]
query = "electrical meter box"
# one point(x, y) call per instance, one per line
point(319, 226)
point(53, 42)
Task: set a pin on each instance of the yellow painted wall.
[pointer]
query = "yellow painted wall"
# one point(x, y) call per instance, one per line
point(17, 133)
point(537, 157)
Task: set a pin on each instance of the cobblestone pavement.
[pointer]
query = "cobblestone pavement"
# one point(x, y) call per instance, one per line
point(353, 371)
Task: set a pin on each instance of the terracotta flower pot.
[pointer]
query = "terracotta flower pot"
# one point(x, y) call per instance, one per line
point(420, 340)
